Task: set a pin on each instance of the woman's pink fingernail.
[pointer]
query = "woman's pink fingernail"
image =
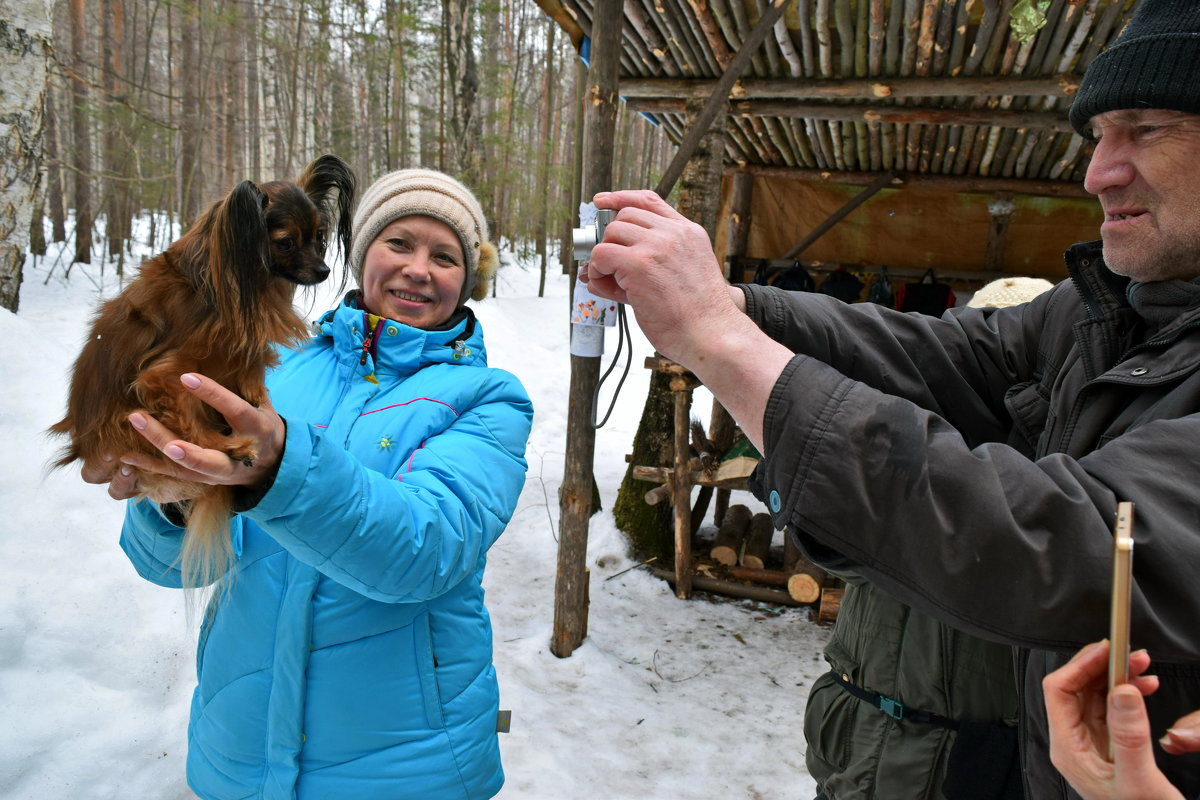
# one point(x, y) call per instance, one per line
point(137, 421)
point(174, 451)
point(126, 471)
point(189, 380)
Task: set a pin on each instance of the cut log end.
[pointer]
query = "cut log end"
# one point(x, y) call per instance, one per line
point(804, 588)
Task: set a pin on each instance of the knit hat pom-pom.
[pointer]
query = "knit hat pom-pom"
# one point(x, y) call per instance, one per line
point(489, 262)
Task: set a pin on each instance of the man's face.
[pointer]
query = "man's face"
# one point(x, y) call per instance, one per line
point(1146, 173)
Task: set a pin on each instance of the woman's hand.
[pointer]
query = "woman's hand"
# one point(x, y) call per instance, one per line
point(1083, 714)
point(190, 462)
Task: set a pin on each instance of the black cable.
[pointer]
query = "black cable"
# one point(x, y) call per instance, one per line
point(624, 339)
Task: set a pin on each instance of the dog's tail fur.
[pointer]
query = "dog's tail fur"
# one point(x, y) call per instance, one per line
point(207, 554)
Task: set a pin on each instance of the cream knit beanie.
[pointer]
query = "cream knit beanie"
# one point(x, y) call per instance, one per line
point(1009, 292)
point(429, 193)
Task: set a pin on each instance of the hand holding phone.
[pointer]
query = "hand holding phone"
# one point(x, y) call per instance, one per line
point(1118, 634)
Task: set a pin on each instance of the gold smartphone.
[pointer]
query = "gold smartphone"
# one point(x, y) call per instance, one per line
point(1122, 581)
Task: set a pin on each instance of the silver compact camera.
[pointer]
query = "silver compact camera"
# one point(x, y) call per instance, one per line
point(585, 238)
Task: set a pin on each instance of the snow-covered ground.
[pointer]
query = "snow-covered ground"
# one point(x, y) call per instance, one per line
point(665, 698)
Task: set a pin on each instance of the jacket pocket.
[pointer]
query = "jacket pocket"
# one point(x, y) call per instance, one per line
point(1029, 406)
point(830, 718)
point(427, 666)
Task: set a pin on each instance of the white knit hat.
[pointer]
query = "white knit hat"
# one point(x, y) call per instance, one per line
point(426, 192)
point(1009, 292)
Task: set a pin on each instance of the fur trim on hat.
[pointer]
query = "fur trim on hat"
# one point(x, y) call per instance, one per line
point(489, 262)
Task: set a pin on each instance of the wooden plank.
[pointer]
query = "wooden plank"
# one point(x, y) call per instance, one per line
point(695, 476)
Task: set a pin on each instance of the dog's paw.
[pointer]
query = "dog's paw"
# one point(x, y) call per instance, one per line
point(241, 449)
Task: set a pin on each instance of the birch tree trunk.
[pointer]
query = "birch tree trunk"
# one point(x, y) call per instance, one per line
point(24, 56)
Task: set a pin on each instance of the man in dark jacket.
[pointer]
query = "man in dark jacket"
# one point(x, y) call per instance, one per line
point(970, 466)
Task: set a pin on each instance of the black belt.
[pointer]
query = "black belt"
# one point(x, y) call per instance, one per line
point(893, 708)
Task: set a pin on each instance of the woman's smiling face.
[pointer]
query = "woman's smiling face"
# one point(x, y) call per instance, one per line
point(414, 272)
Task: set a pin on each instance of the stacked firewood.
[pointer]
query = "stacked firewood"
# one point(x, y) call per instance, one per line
point(741, 551)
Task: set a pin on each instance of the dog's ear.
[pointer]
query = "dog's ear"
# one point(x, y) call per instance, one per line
point(241, 247)
point(324, 177)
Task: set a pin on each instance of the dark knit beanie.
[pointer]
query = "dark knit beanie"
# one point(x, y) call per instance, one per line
point(1152, 64)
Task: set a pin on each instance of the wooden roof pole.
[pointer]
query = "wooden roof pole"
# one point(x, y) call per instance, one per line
point(720, 95)
point(575, 494)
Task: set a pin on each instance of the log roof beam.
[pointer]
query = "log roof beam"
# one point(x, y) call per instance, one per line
point(880, 88)
point(1001, 118)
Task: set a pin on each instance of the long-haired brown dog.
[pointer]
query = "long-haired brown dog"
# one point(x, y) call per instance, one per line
point(218, 302)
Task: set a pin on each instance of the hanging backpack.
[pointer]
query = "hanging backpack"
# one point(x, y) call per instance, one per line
point(843, 285)
point(796, 279)
point(881, 290)
point(927, 296)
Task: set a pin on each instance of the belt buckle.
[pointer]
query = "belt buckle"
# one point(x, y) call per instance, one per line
point(893, 708)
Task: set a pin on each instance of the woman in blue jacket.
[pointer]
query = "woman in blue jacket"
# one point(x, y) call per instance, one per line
point(350, 653)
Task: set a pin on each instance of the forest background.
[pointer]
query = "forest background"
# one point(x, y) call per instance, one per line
point(156, 107)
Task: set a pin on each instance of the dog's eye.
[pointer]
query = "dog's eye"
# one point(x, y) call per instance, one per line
point(322, 239)
point(285, 244)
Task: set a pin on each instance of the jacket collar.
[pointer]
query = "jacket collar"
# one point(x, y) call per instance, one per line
point(1102, 290)
point(1104, 294)
point(385, 346)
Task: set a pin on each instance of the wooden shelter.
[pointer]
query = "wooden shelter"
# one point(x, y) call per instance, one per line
point(866, 134)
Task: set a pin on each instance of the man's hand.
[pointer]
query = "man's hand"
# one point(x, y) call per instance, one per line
point(663, 266)
point(190, 462)
point(1082, 718)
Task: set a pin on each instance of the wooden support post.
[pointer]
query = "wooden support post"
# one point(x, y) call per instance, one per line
point(837, 216)
point(721, 426)
point(1001, 208)
point(575, 494)
point(682, 493)
point(740, 202)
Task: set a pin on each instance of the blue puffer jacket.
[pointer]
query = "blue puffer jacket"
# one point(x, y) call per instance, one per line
point(352, 657)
